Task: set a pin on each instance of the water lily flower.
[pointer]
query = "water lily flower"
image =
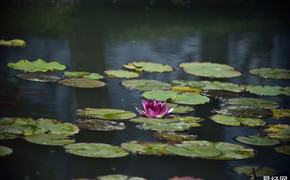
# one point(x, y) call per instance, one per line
point(154, 109)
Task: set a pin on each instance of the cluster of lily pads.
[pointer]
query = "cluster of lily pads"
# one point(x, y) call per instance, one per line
point(237, 112)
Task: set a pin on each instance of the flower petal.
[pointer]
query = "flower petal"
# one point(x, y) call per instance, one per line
point(140, 111)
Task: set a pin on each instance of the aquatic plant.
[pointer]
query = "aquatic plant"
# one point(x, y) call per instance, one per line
point(155, 109)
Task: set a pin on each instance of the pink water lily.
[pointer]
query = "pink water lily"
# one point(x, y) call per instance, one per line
point(154, 109)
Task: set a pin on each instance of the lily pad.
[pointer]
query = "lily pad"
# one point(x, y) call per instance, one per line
point(279, 131)
point(36, 66)
point(182, 83)
point(259, 171)
point(186, 89)
point(253, 102)
point(82, 74)
point(110, 114)
point(13, 43)
point(94, 76)
point(6, 121)
point(220, 94)
point(54, 127)
point(228, 151)
point(238, 121)
point(245, 111)
point(122, 74)
point(5, 150)
point(146, 85)
point(179, 109)
point(10, 130)
point(99, 125)
point(189, 150)
point(49, 139)
point(218, 85)
point(119, 177)
point(184, 98)
point(147, 148)
point(258, 140)
point(174, 136)
point(148, 67)
point(271, 73)
point(7, 136)
point(285, 149)
point(82, 83)
point(207, 69)
point(268, 90)
point(281, 113)
point(38, 77)
point(96, 150)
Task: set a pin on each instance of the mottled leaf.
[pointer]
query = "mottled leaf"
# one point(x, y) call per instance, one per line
point(271, 73)
point(259, 171)
point(218, 85)
point(99, 125)
point(245, 111)
point(281, 113)
point(179, 109)
point(82, 83)
point(182, 83)
point(285, 149)
point(13, 43)
point(279, 131)
point(147, 148)
point(174, 136)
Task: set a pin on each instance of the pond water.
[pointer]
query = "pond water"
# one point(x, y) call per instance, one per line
point(95, 38)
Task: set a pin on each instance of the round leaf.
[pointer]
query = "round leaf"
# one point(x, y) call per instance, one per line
point(119, 177)
point(258, 140)
point(82, 83)
point(179, 109)
point(207, 69)
point(148, 67)
point(238, 121)
point(5, 150)
point(109, 114)
point(145, 148)
point(97, 150)
point(122, 74)
point(259, 171)
point(75, 74)
point(39, 77)
point(268, 90)
point(245, 111)
point(183, 83)
point(99, 125)
point(218, 85)
point(174, 136)
point(285, 149)
point(253, 102)
point(146, 85)
point(49, 139)
point(220, 94)
point(271, 73)
point(36, 66)
point(57, 128)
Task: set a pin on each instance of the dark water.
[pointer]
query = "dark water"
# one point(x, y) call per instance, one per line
point(95, 38)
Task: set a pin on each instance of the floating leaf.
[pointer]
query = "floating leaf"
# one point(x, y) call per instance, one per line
point(285, 149)
point(6, 121)
point(10, 130)
point(253, 102)
point(146, 85)
point(147, 148)
point(119, 177)
point(97, 150)
point(174, 136)
point(55, 127)
point(182, 83)
point(94, 76)
point(259, 171)
point(257, 140)
point(220, 94)
point(281, 113)
point(5, 150)
point(184, 98)
point(218, 85)
point(207, 69)
point(82, 74)
point(99, 125)
point(268, 90)
point(13, 43)
point(279, 131)
point(186, 90)
point(82, 83)
point(36, 66)
point(7, 136)
point(109, 114)
point(148, 67)
point(179, 109)
point(49, 139)
point(238, 121)
point(38, 77)
point(122, 74)
point(271, 73)
point(245, 111)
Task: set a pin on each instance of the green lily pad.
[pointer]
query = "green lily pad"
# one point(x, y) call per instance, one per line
point(259, 171)
point(13, 43)
point(82, 83)
point(10, 130)
point(56, 128)
point(217, 94)
point(182, 83)
point(258, 140)
point(147, 148)
point(179, 109)
point(279, 131)
point(82, 74)
point(97, 150)
point(148, 67)
point(174, 136)
point(99, 125)
point(285, 149)
point(281, 113)
point(207, 69)
point(36, 66)
point(7, 136)
point(119, 177)
point(238, 121)
point(228, 151)
point(218, 85)
point(146, 85)
point(121, 74)
point(268, 90)
point(94, 76)
point(5, 150)
point(271, 73)
point(110, 114)
point(38, 77)
point(254, 102)
point(6, 121)
point(49, 139)
point(184, 98)
point(186, 89)
point(245, 111)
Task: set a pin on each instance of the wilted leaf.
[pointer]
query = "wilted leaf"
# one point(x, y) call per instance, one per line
point(38, 77)
point(36, 66)
point(147, 148)
point(99, 125)
point(146, 85)
point(268, 90)
point(5, 150)
point(220, 94)
point(174, 136)
point(49, 139)
point(13, 43)
point(207, 69)
point(180, 89)
point(238, 121)
point(281, 113)
point(285, 149)
point(82, 83)
point(279, 131)
point(122, 74)
point(110, 114)
point(148, 67)
point(271, 73)
point(258, 140)
point(179, 109)
point(253, 102)
point(245, 111)
point(259, 171)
